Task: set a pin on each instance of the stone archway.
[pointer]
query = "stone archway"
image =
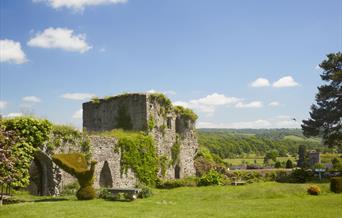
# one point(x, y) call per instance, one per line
point(106, 179)
point(45, 175)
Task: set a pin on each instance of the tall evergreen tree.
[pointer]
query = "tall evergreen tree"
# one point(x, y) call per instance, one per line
point(326, 115)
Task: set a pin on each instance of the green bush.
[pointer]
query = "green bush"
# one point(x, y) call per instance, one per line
point(175, 183)
point(314, 190)
point(145, 192)
point(70, 189)
point(336, 184)
point(86, 193)
point(211, 178)
point(297, 176)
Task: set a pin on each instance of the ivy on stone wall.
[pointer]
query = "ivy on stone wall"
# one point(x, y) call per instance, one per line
point(151, 124)
point(163, 164)
point(186, 113)
point(138, 153)
point(175, 152)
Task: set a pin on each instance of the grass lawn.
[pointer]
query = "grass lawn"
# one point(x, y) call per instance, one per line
point(259, 160)
point(266, 199)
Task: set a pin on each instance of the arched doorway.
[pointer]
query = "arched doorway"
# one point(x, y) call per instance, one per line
point(106, 179)
point(177, 172)
point(44, 175)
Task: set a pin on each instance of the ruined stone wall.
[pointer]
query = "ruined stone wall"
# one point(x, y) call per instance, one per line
point(107, 170)
point(104, 114)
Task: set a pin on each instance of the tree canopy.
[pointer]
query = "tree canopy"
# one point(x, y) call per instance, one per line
point(326, 115)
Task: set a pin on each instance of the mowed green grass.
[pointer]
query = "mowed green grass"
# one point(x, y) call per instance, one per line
point(258, 160)
point(266, 199)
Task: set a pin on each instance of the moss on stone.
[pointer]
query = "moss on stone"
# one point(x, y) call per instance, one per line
point(186, 113)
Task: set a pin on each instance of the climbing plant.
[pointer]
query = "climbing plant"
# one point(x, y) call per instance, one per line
point(138, 153)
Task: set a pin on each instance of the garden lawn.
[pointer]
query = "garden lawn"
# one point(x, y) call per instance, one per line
point(265, 199)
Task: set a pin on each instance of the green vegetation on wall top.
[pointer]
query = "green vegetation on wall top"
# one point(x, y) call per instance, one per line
point(186, 113)
point(138, 153)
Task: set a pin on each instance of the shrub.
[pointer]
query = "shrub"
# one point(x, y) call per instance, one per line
point(289, 164)
point(211, 178)
point(70, 189)
point(300, 176)
point(336, 184)
point(145, 192)
point(175, 183)
point(314, 190)
point(86, 193)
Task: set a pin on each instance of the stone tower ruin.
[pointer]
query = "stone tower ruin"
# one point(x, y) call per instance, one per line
point(150, 113)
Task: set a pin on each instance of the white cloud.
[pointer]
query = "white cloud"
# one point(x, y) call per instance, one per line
point(78, 114)
point(168, 92)
point(78, 5)
point(274, 104)
point(253, 104)
point(31, 99)
point(10, 115)
point(318, 68)
point(260, 82)
point(275, 122)
point(256, 124)
point(77, 96)
point(60, 38)
point(284, 82)
point(10, 52)
point(3, 104)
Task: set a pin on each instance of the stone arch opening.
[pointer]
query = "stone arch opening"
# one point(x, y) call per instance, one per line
point(106, 179)
point(177, 171)
point(43, 175)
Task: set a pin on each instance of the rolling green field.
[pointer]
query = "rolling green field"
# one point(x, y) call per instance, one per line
point(266, 199)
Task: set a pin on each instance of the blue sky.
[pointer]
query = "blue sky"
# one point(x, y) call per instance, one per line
point(238, 64)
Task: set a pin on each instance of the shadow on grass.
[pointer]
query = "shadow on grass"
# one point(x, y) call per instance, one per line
point(51, 200)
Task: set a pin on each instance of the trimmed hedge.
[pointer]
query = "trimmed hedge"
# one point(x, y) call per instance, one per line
point(314, 190)
point(336, 184)
point(76, 165)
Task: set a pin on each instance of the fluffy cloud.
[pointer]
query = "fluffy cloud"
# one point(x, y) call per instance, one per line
point(78, 114)
point(276, 122)
point(168, 92)
point(253, 104)
point(209, 103)
point(260, 82)
point(10, 52)
point(3, 104)
point(78, 5)
point(60, 38)
point(77, 96)
point(284, 82)
point(31, 99)
point(274, 104)
point(257, 124)
point(10, 115)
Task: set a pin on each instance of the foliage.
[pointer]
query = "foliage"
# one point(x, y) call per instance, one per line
point(277, 164)
point(211, 178)
point(95, 100)
point(163, 164)
point(151, 124)
point(289, 164)
point(337, 164)
point(326, 114)
point(70, 189)
point(272, 155)
point(33, 131)
point(26, 134)
point(145, 192)
point(302, 157)
point(63, 135)
point(336, 184)
point(186, 113)
point(297, 176)
point(123, 119)
point(76, 165)
point(175, 183)
point(164, 102)
point(229, 144)
point(175, 151)
point(138, 153)
point(314, 190)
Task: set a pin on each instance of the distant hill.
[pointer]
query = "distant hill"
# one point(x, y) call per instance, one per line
point(230, 143)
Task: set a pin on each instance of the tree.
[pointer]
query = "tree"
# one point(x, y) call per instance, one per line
point(326, 115)
point(272, 155)
point(289, 164)
point(302, 156)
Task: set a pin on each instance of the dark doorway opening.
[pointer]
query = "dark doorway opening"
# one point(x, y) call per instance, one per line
point(177, 172)
point(106, 179)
